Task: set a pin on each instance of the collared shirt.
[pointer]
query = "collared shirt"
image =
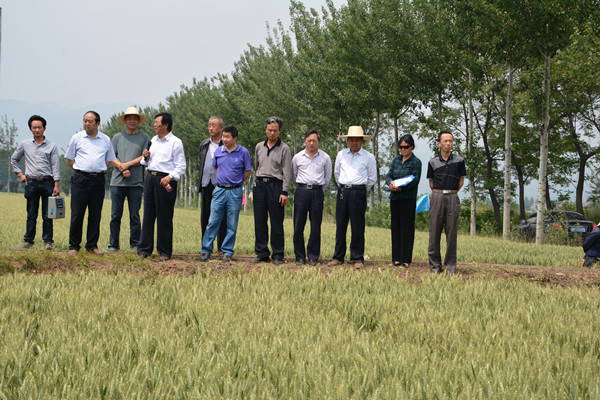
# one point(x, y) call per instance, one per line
point(41, 160)
point(208, 174)
point(274, 162)
point(315, 171)
point(231, 166)
point(446, 174)
point(167, 156)
point(90, 155)
point(399, 169)
point(355, 169)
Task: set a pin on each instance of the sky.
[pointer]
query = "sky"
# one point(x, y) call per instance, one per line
point(77, 53)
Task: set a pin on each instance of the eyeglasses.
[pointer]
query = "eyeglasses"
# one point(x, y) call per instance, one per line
point(404, 147)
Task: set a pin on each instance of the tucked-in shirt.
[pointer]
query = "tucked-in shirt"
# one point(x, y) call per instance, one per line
point(315, 171)
point(231, 165)
point(355, 169)
point(446, 174)
point(208, 175)
point(90, 155)
point(41, 160)
point(127, 147)
point(275, 162)
point(400, 169)
point(167, 156)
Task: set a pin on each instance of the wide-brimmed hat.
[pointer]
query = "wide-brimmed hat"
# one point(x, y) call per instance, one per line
point(355, 131)
point(132, 111)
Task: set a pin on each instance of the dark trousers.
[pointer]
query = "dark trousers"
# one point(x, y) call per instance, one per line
point(402, 213)
point(266, 205)
point(444, 210)
point(33, 192)
point(351, 205)
point(118, 194)
point(206, 201)
point(87, 192)
point(308, 202)
point(158, 206)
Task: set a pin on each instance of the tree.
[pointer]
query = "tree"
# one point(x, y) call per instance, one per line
point(7, 145)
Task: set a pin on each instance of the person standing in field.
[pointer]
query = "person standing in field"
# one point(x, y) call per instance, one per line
point(355, 173)
point(90, 152)
point(591, 247)
point(127, 180)
point(311, 173)
point(207, 179)
point(403, 201)
point(446, 173)
point(232, 165)
point(273, 173)
point(41, 177)
point(166, 164)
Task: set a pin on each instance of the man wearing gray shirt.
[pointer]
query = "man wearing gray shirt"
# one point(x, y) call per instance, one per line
point(311, 173)
point(42, 179)
point(127, 181)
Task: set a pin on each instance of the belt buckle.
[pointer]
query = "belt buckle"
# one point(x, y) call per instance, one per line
point(309, 186)
point(347, 186)
point(445, 191)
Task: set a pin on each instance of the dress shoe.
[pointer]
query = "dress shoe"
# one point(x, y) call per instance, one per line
point(111, 249)
point(259, 259)
point(142, 255)
point(312, 262)
point(96, 251)
point(226, 258)
point(24, 246)
point(204, 257)
point(358, 265)
point(164, 258)
point(277, 261)
point(72, 252)
point(48, 246)
point(333, 263)
point(299, 262)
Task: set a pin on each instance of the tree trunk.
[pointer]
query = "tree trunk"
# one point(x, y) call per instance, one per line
point(521, 180)
point(470, 146)
point(396, 136)
point(507, 156)
point(376, 154)
point(542, 178)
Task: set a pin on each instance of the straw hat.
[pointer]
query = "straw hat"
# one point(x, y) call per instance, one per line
point(132, 111)
point(355, 131)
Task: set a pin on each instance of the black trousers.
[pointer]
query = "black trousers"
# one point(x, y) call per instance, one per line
point(402, 213)
point(266, 205)
point(206, 201)
point(308, 202)
point(158, 206)
point(87, 192)
point(351, 205)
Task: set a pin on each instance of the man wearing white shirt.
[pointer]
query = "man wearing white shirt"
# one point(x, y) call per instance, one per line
point(355, 173)
point(166, 164)
point(311, 173)
point(89, 154)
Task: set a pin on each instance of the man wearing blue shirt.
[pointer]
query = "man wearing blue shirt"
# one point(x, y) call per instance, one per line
point(232, 167)
point(89, 154)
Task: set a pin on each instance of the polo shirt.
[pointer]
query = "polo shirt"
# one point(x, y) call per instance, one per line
point(231, 165)
point(446, 174)
point(274, 162)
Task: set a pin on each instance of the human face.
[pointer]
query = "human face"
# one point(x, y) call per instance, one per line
point(132, 122)
point(90, 126)
point(37, 128)
point(228, 140)
point(446, 142)
point(272, 131)
point(405, 149)
point(159, 128)
point(215, 128)
point(355, 143)
point(312, 143)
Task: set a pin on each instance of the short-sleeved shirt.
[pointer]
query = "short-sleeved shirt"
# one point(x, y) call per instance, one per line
point(274, 162)
point(90, 155)
point(315, 170)
point(127, 147)
point(446, 174)
point(231, 165)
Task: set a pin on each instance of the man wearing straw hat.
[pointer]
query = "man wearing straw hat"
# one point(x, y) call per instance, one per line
point(127, 180)
point(355, 173)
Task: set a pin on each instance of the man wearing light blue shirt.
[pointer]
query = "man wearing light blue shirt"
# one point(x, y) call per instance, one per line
point(89, 154)
point(166, 164)
point(355, 173)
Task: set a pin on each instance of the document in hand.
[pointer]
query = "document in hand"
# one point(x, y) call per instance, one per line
point(405, 180)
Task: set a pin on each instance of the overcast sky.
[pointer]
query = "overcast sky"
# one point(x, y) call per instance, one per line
point(78, 53)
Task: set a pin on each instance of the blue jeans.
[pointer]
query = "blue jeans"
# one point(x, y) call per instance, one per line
point(134, 202)
point(33, 192)
point(224, 202)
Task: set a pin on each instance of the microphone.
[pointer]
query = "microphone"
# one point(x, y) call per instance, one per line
point(148, 148)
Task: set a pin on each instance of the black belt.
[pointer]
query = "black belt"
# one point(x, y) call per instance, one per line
point(267, 179)
point(444, 191)
point(41, 179)
point(159, 174)
point(91, 174)
point(228, 186)
point(363, 187)
point(309, 186)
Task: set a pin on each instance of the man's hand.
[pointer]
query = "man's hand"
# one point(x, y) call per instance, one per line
point(126, 174)
point(165, 181)
point(146, 154)
point(56, 190)
point(22, 177)
point(283, 200)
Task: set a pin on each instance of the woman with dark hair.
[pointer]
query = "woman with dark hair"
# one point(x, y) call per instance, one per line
point(403, 200)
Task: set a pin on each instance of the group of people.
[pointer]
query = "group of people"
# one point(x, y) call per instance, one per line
point(224, 167)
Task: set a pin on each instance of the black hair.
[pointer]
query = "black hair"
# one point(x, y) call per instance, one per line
point(231, 129)
point(441, 133)
point(36, 118)
point(274, 119)
point(165, 119)
point(95, 114)
point(408, 139)
point(310, 132)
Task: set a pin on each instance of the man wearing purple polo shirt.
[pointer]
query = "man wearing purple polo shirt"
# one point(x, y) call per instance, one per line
point(232, 167)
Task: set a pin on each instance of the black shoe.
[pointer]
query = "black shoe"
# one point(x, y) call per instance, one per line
point(277, 261)
point(142, 255)
point(204, 257)
point(226, 258)
point(259, 259)
point(164, 258)
point(312, 262)
point(298, 262)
